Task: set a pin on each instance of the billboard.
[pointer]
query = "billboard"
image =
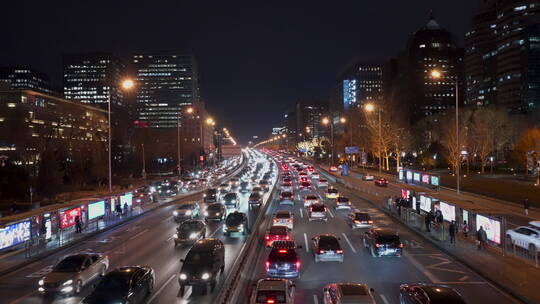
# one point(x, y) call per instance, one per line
point(126, 199)
point(434, 180)
point(96, 210)
point(448, 211)
point(67, 218)
point(352, 150)
point(14, 234)
point(425, 203)
point(425, 178)
point(405, 193)
point(416, 176)
point(491, 226)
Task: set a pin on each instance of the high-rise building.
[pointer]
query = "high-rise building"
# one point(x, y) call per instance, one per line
point(93, 78)
point(359, 82)
point(18, 78)
point(408, 82)
point(309, 119)
point(165, 83)
point(503, 55)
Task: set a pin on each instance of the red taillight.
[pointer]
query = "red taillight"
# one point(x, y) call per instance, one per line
point(267, 266)
point(267, 237)
point(378, 245)
point(370, 222)
point(324, 209)
point(339, 251)
point(270, 301)
point(282, 251)
point(287, 237)
point(400, 245)
point(321, 251)
point(275, 220)
point(356, 221)
point(298, 265)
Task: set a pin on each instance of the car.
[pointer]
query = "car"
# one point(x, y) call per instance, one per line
point(283, 261)
point(283, 218)
point(286, 187)
point(381, 182)
point(244, 187)
point(230, 200)
point(236, 222)
point(286, 198)
point(142, 195)
point(127, 284)
point(214, 212)
point(368, 177)
point(264, 185)
point(383, 242)
point(73, 272)
point(333, 169)
point(255, 199)
point(234, 182)
point(224, 188)
point(315, 175)
point(345, 293)
point(343, 202)
point(322, 183)
point(422, 293)
point(273, 291)
point(326, 248)
point(210, 196)
point(527, 237)
point(256, 189)
point(186, 211)
point(168, 191)
point(287, 181)
point(332, 193)
point(311, 199)
point(357, 219)
point(317, 212)
point(304, 186)
point(202, 265)
point(277, 233)
point(189, 232)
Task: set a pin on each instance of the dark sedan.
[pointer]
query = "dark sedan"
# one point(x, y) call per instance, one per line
point(428, 294)
point(190, 231)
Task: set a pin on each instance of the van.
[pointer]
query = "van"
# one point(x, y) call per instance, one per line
point(203, 264)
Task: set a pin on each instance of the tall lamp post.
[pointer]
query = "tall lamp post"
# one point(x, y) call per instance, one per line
point(370, 108)
point(328, 121)
point(127, 84)
point(178, 138)
point(436, 74)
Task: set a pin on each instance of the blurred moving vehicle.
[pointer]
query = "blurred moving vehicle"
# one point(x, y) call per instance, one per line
point(357, 219)
point(214, 212)
point(186, 211)
point(321, 183)
point(277, 233)
point(368, 177)
point(332, 193)
point(202, 265)
point(210, 196)
point(255, 199)
point(230, 200)
point(189, 231)
point(383, 242)
point(326, 248)
point(236, 222)
point(73, 272)
point(286, 198)
point(311, 199)
point(273, 291)
point(127, 284)
point(317, 212)
point(381, 182)
point(343, 203)
point(333, 169)
point(348, 293)
point(428, 294)
point(283, 218)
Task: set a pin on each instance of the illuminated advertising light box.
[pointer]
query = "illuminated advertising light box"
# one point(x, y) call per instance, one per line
point(405, 193)
point(435, 181)
point(409, 175)
point(416, 176)
point(401, 176)
point(126, 199)
point(67, 218)
point(96, 210)
point(448, 211)
point(425, 178)
point(491, 226)
point(14, 234)
point(425, 203)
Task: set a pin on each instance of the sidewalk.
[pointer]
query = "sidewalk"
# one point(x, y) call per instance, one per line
point(512, 274)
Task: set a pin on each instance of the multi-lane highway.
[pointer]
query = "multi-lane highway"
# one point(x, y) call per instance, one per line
point(147, 240)
point(421, 261)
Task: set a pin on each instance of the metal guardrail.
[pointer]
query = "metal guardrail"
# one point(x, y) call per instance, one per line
point(235, 284)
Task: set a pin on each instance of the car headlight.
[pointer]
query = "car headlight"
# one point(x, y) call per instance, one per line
point(204, 195)
point(205, 276)
point(193, 236)
point(206, 213)
point(67, 289)
point(68, 282)
point(217, 214)
point(41, 282)
point(188, 212)
point(183, 276)
point(175, 236)
point(175, 213)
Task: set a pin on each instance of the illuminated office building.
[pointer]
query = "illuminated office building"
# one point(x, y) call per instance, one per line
point(17, 78)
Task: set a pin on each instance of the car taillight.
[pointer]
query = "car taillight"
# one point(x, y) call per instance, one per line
point(370, 222)
point(356, 221)
point(270, 301)
point(378, 245)
point(321, 251)
point(267, 237)
point(400, 245)
point(282, 251)
point(287, 238)
point(275, 220)
point(267, 265)
point(324, 209)
point(298, 265)
point(339, 251)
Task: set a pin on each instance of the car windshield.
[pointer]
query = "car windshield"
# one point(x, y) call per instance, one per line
point(70, 264)
point(278, 230)
point(234, 218)
point(322, 181)
point(362, 216)
point(264, 295)
point(115, 282)
point(230, 196)
point(286, 194)
point(328, 243)
point(305, 184)
point(343, 199)
point(198, 257)
point(283, 215)
point(214, 207)
point(186, 206)
point(188, 226)
point(317, 208)
point(332, 191)
point(255, 195)
point(211, 191)
point(387, 238)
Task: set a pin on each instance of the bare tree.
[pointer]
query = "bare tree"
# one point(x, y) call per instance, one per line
point(528, 149)
point(448, 139)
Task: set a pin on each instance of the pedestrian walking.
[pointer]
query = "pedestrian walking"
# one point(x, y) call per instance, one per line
point(452, 228)
point(427, 221)
point(118, 209)
point(78, 225)
point(125, 208)
point(481, 235)
point(526, 206)
point(465, 229)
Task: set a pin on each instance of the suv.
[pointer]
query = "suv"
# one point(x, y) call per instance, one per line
point(326, 247)
point(317, 212)
point(343, 203)
point(236, 222)
point(203, 263)
point(286, 198)
point(359, 219)
point(264, 185)
point(341, 293)
point(186, 211)
point(284, 218)
point(277, 233)
point(527, 237)
point(189, 232)
point(210, 196)
point(230, 200)
point(255, 199)
point(381, 241)
point(428, 294)
point(311, 199)
point(244, 187)
point(73, 272)
point(283, 260)
point(273, 291)
point(215, 211)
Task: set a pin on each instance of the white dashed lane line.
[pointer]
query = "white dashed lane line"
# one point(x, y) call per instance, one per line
point(348, 242)
point(305, 240)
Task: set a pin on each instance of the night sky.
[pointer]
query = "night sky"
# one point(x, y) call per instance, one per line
point(256, 58)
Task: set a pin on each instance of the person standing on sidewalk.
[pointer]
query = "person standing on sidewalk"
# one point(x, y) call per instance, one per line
point(78, 226)
point(427, 221)
point(465, 229)
point(126, 209)
point(452, 228)
point(526, 206)
point(481, 235)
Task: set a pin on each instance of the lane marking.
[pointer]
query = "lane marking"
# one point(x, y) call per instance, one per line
point(422, 269)
point(167, 219)
point(161, 288)
point(315, 299)
point(23, 297)
point(463, 278)
point(138, 234)
point(215, 231)
point(301, 214)
point(348, 242)
point(41, 273)
point(305, 239)
point(384, 299)
point(330, 212)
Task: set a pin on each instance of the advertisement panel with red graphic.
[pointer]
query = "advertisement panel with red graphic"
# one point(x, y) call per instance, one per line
point(67, 218)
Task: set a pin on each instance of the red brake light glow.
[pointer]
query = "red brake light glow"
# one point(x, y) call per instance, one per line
point(339, 251)
point(321, 251)
point(267, 237)
point(297, 265)
point(378, 245)
point(270, 301)
point(400, 245)
point(282, 251)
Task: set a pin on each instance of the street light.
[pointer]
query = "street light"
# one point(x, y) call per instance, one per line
point(370, 108)
point(126, 84)
point(189, 110)
point(327, 121)
point(436, 74)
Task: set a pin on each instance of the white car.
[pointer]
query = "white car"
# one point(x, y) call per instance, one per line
point(273, 291)
point(315, 175)
point(341, 293)
point(527, 237)
point(317, 212)
point(311, 199)
point(322, 183)
point(368, 177)
point(283, 218)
